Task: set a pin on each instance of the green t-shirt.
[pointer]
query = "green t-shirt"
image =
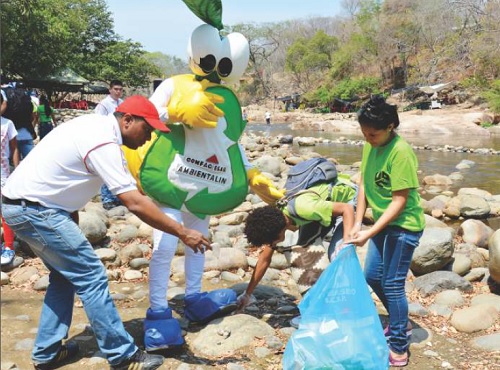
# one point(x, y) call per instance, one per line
point(313, 206)
point(391, 168)
point(41, 113)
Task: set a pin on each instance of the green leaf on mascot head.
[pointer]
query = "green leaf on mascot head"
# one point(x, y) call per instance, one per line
point(209, 11)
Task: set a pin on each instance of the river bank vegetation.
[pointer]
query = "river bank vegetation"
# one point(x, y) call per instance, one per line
point(372, 46)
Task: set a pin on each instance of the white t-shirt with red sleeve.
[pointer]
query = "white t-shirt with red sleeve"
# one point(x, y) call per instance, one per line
point(67, 168)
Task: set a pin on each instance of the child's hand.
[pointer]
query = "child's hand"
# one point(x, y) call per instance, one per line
point(244, 300)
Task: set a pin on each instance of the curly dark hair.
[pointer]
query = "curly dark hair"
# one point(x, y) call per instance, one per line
point(264, 224)
point(378, 114)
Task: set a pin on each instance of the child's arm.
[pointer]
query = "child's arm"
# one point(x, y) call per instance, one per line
point(258, 273)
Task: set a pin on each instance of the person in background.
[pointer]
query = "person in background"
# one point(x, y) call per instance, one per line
point(108, 106)
point(389, 186)
point(40, 202)
point(20, 110)
point(45, 117)
point(268, 118)
point(9, 153)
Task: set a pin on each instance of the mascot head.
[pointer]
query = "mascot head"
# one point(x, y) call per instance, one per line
point(212, 56)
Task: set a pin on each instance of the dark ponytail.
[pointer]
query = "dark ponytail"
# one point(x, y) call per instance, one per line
point(378, 114)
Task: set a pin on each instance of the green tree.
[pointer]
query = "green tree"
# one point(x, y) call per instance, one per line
point(492, 95)
point(358, 53)
point(308, 60)
point(123, 60)
point(41, 37)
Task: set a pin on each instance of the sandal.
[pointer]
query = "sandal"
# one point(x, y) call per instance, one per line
point(397, 362)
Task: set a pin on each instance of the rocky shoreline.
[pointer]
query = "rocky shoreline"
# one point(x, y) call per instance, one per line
point(453, 286)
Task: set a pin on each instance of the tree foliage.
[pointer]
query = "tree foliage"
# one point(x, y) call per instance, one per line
point(398, 43)
point(309, 59)
point(41, 37)
point(347, 89)
point(492, 95)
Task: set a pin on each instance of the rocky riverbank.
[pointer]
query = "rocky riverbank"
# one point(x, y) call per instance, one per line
point(452, 287)
point(474, 122)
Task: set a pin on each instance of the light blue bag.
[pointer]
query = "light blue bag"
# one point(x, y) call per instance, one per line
point(340, 328)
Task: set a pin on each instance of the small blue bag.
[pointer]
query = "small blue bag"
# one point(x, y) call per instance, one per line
point(339, 328)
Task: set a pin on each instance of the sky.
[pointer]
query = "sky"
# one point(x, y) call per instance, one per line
point(166, 25)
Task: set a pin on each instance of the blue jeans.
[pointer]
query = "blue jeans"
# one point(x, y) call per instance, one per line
point(108, 197)
point(74, 268)
point(25, 146)
point(44, 129)
point(386, 266)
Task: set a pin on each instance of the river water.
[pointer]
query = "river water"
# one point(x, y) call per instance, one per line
point(484, 175)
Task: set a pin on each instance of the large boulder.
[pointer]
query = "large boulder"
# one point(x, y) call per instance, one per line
point(475, 191)
point(439, 281)
point(473, 253)
point(452, 208)
point(475, 232)
point(494, 264)
point(475, 318)
point(92, 226)
point(269, 164)
point(437, 180)
point(473, 206)
point(434, 252)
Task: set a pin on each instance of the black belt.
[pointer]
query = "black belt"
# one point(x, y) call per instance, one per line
point(19, 202)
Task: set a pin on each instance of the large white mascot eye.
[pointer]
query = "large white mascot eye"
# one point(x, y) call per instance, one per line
point(233, 58)
point(204, 50)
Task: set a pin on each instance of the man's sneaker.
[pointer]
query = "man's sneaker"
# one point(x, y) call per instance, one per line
point(7, 256)
point(140, 360)
point(67, 351)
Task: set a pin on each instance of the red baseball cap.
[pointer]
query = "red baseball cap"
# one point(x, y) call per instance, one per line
point(140, 106)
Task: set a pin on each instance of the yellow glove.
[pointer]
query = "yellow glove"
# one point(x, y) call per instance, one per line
point(263, 187)
point(192, 105)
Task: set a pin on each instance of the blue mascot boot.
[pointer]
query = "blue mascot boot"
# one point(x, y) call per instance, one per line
point(207, 306)
point(161, 331)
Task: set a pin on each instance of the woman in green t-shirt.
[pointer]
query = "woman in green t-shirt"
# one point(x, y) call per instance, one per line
point(45, 115)
point(389, 186)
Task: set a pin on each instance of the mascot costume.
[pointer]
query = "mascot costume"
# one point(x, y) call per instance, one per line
point(196, 170)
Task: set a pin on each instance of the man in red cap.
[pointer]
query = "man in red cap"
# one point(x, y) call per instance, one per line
point(40, 202)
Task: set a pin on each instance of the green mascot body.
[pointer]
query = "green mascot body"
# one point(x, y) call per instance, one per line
point(199, 170)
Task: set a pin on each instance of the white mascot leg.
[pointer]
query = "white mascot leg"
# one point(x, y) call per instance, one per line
point(161, 330)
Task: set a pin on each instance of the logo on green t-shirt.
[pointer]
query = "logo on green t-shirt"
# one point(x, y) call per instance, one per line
point(382, 179)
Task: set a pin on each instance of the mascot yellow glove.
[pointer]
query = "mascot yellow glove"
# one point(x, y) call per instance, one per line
point(263, 187)
point(192, 105)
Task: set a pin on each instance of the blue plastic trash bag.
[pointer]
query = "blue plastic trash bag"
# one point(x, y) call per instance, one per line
point(339, 327)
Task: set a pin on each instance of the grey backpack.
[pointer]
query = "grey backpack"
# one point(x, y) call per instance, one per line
point(304, 175)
